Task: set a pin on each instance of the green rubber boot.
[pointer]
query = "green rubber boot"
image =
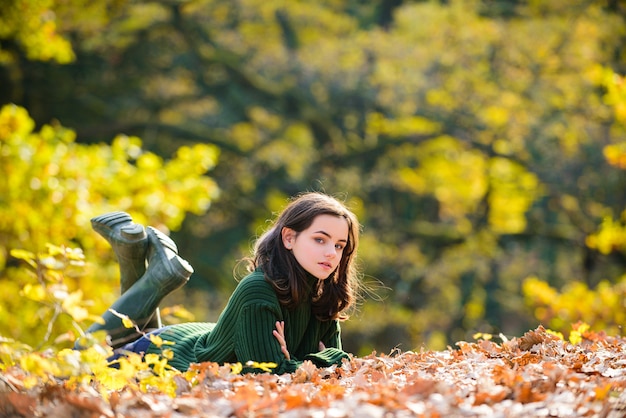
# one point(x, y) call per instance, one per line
point(165, 273)
point(130, 245)
point(129, 242)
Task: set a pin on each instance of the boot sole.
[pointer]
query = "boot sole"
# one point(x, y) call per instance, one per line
point(176, 266)
point(118, 227)
point(165, 240)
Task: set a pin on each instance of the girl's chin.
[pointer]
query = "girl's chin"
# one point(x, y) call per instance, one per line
point(321, 274)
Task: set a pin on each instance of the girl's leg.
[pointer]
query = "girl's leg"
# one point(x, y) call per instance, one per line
point(165, 273)
point(129, 242)
point(130, 245)
point(139, 346)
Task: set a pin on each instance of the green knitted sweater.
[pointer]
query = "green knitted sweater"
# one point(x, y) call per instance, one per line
point(243, 333)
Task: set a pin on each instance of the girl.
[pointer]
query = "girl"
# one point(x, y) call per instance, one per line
point(301, 281)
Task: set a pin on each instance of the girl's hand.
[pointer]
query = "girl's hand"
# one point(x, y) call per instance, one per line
point(322, 347)
point(279, 334)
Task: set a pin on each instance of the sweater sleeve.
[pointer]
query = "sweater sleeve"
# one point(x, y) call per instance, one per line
point(332, 335)
point(333, 353)
point(327, 357)
point(255, 340)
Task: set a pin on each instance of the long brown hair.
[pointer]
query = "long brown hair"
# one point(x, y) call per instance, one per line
point(332, 296)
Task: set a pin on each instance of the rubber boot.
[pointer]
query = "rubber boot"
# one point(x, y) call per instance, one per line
point(129, 242)
point(165, 273)
point(130, 245)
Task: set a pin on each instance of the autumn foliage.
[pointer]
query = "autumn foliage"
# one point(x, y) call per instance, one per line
point(537, 374)
point(51, 186)
point(481, 143)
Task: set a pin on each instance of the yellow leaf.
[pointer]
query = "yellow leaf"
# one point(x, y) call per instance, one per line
point(556, 334)
point(236, 368)
point(36, 364)
point(71, 305)
point(482, 335)
point(34, 292)
point(26, 256)
point(114, 379)
point(55, 250)
point(156, 340)
point(167, 354)
point(151, 358)
point(30, 382)
point(266, 367)
point(127, 322)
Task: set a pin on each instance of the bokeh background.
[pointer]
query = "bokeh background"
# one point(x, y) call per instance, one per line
point(482, 143)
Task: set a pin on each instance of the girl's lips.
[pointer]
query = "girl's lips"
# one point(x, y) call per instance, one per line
point(326, 265)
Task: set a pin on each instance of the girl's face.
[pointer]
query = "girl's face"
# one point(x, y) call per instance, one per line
point(318, 249)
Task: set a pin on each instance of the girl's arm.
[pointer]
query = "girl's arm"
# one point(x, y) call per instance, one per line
point(330, 347)
point(326, 356)
point(331, 338)
point(256, 341)
point(279, 334)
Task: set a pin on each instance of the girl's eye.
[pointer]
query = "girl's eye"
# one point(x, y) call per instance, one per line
point(339, 247)
point(319, 240)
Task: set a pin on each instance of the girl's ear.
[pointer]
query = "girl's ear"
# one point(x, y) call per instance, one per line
point(288, 235)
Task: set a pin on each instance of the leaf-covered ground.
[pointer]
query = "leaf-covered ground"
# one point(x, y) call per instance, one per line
point(535, 375)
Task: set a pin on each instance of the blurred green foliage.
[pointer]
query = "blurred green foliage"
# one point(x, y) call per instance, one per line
point(51, 186)
point(480, 142)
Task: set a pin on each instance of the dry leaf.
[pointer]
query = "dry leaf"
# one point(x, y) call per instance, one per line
point(534, 375)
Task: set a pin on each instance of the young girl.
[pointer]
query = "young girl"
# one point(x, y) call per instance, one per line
point(301, 281)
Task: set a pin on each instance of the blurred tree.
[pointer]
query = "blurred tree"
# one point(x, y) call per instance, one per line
point(600, 306)
point(36, 31)
point(30, 27)
point(470, 137)
point(50, 188)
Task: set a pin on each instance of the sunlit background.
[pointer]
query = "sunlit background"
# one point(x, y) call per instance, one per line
point(481, 143)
